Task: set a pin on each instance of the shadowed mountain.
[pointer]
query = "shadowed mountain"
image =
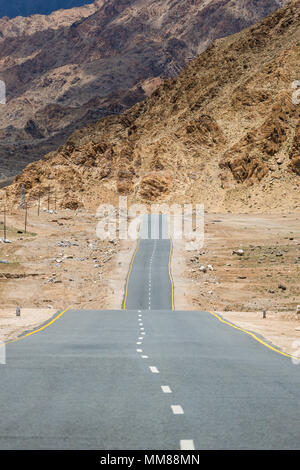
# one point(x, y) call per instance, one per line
point(71, 68)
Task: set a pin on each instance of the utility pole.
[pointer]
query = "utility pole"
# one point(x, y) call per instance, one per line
point(25, 217)
point(22, 197)
point(39, 204)
point(48, 198)
point(4, 224)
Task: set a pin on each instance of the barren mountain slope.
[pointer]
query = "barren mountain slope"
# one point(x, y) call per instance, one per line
point(225, 133)
point(76, 66)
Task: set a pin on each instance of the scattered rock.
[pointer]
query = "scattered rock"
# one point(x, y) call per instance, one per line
point(282, 287)
point(238, 252)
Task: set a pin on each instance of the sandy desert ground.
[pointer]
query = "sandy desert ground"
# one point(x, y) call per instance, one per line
point(60, 263)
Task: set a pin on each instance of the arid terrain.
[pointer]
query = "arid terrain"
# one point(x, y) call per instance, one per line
point(61, 263)
point(263, 275)
point(224, 133)
point(108, 56)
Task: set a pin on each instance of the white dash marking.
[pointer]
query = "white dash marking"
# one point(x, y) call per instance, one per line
point(139, 342)
point(187, 445)
point(139, 350)
point(177, 410)
point(145, 357)
point(154, 370)
point(166, 389)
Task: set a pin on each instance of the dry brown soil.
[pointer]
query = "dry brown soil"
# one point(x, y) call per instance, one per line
point(43, 277)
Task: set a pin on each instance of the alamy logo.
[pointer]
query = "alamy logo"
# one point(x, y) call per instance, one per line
point(184, 222)
point(296, 94)
point(2, 92)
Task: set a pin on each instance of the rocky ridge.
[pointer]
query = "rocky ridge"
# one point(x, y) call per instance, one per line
point(224, 133)
point(73, 67)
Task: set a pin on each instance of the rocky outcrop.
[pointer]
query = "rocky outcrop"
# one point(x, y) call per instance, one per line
point(295, 151)
point(224, 133)
point(75, 66)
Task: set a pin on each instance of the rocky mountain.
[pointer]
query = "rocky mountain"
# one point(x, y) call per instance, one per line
point(226, 133)
point(32, 7)
point(73, 67)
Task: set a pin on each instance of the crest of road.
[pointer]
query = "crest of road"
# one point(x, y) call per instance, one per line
point(147, 376)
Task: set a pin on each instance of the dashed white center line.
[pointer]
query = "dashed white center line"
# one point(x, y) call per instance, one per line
point(187, 445)
point(177, 409)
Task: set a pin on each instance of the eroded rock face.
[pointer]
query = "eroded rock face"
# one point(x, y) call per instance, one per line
point(295, 151)
point(76, 66)
point(249, 159)
point(154, 185)
point(224, 133)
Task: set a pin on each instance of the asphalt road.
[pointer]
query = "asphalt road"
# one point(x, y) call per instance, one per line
point(146, 379)
point(149, 284)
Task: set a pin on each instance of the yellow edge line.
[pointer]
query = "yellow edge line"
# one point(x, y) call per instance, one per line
point(170, 272)
point(37, 331)
point(129, 273)
point(254, 337)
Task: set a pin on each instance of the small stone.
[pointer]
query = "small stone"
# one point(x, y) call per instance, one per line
point(238, 252)
point(281, 286)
